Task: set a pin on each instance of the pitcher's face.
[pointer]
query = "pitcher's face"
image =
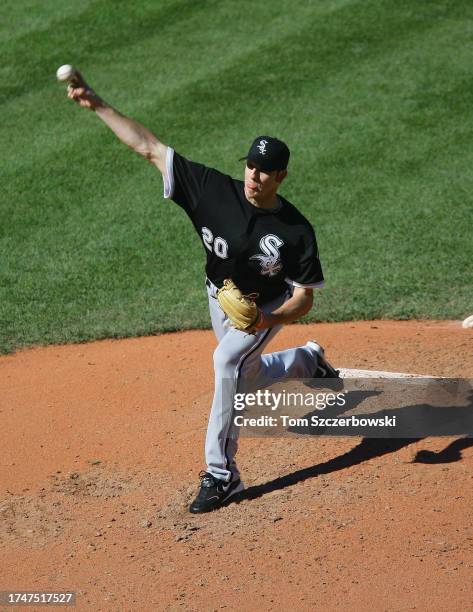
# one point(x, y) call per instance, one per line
point(261, 185)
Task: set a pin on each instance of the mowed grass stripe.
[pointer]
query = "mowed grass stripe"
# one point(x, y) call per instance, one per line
point(182, 100)
point(166, 72)
point(108, 254)
point(193, 98)
point(103, 27)
point(106, 28)
point(22, 18)
point(72, 180)
point(173, 107)
point(314, 79)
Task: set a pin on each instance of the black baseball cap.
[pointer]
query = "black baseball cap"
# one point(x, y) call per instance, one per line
point(268, 153)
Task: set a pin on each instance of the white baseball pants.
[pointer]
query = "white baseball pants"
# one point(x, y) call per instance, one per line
point(240, 367)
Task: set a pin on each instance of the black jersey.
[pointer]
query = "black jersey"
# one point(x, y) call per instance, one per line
point(263, 251)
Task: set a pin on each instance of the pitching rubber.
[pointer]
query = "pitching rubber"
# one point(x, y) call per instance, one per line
point(468, 322)
point(353, 373)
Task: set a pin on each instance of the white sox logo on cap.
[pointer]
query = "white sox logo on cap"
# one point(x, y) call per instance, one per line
point(268, 154)
point(262, 146)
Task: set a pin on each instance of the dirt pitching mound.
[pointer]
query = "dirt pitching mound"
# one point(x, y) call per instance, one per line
point(102, 444)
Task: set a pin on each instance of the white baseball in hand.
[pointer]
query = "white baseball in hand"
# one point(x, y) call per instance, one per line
point(65, 73)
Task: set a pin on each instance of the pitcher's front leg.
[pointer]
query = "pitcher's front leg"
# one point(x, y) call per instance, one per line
point(230, 356)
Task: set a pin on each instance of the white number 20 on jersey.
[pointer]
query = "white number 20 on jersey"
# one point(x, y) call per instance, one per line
point(218, 245)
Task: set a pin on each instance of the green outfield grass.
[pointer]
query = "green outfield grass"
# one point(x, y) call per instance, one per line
point(373, 97)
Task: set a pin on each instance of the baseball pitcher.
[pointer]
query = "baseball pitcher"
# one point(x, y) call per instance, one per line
point(262, 267)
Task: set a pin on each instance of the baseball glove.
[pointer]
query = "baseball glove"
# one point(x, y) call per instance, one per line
point(241, 309)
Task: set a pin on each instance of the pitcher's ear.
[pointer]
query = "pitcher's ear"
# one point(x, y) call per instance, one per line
point(281, 175)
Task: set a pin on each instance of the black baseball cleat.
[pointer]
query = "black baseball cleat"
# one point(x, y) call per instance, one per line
point(324, 369)
point(213, 493)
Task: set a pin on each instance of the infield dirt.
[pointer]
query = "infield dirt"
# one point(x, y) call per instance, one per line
point(102, 444)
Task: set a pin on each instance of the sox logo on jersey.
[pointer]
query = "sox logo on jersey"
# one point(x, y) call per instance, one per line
point(270, 262)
